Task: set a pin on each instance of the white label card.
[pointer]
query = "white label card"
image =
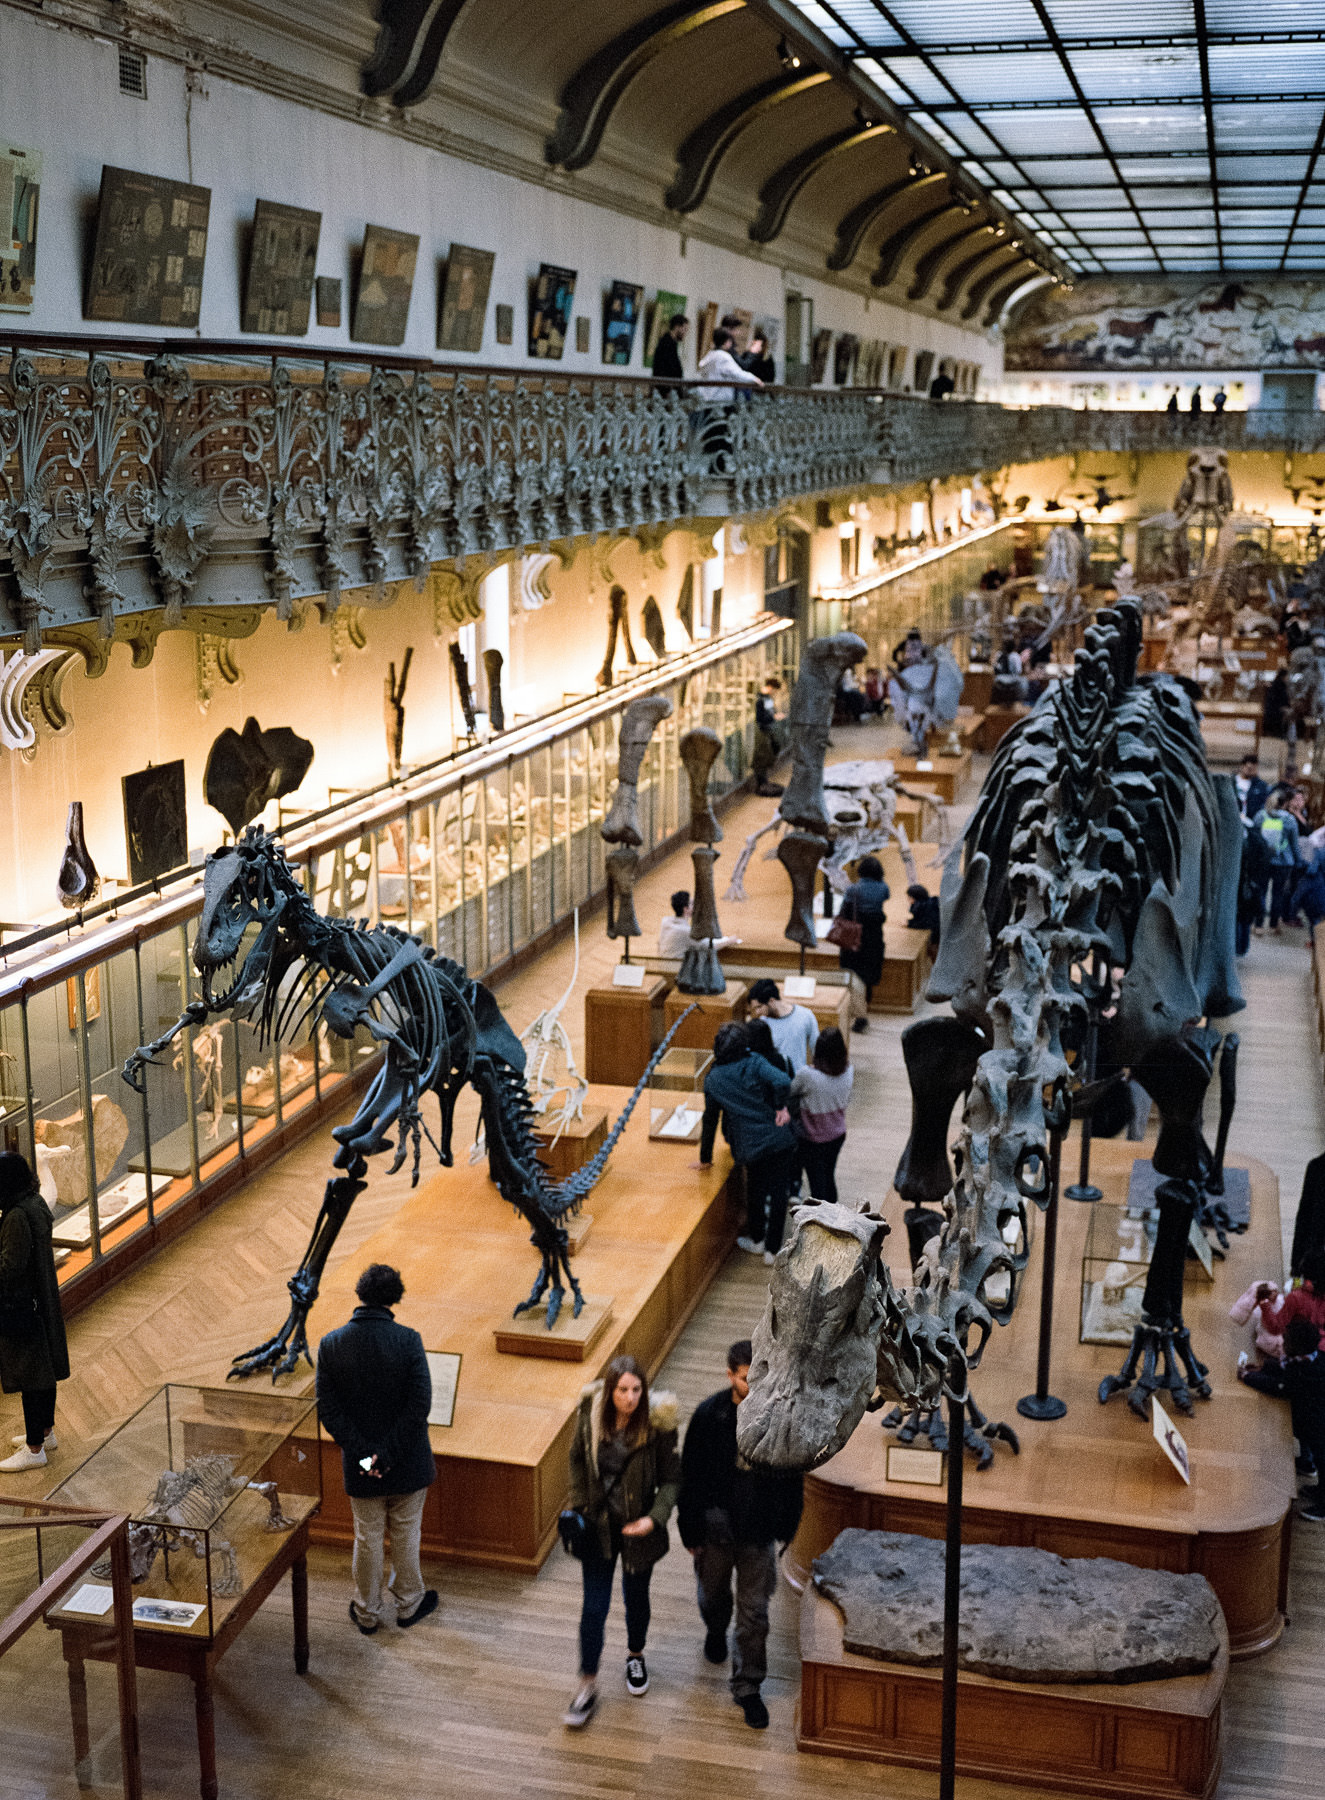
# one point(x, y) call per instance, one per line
point(923, 1467)
point(90, 1599)
point(444, 1367)
point(924, 768)
point(1170, 1439)
point(628, 975)
point(1200, 1243)
point(799, 987)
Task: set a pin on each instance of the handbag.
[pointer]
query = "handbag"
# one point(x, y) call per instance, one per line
point(573, 1530)
point(19, 1319)
point(845, 932)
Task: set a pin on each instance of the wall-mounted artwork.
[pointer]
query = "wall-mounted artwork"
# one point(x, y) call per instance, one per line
point(742, 328)
point(20, 193)
point(582, 335)
point(823, 343)
point(155, 821)
point(151, 244)
point(550, 303)
point(664, 309)
point(386, 281)
point(328, 300)
point(708, 320)
point(504, 317)
point(282, 264)
point(1201, 322)
point(870, 363)
point(621, 306)
point(464, 298)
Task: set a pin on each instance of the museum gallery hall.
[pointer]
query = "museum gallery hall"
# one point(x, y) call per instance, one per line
point(662, 899)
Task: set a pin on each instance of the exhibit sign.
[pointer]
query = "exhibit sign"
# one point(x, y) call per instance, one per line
point(1170, 1439)
point(799, 987)
point(550, 303)
point(282, 266)
point(149, 251)
point(444, 1367)
point(20, 194)
point(664, 309)
point(923, 1468)
point(620, 316)
point(386, 281)
point(628, 975)
point(464, 298)
point(155, 820)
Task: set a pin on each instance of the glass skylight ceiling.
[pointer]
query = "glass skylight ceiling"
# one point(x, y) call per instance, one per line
point(1135, 136)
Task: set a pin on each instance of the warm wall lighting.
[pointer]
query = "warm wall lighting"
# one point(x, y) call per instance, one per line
point(789, 58)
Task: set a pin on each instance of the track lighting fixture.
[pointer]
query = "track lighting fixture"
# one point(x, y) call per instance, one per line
point(917, 166)
point(789, 58)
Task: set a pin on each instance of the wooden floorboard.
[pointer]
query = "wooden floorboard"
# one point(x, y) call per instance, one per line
point(469, 1704)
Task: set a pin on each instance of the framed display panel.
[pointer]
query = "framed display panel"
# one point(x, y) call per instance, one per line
point(467, 279)
point(149, 250)
point(20, 197)
point(282, 266)
point(386, 281)
point(551, 298)
point(664, 309)
point(505, 323)
point(708, 320)
point(621, 306)
point(327, 288)
point(155, 820)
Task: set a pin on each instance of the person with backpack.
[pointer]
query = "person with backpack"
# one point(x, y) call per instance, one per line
point(750, 1097)
point(1278, 832)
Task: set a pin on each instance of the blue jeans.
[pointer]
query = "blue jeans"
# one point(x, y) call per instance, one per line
point(598, 1571)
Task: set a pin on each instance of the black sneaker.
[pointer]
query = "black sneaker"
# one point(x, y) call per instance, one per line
point(1312, 1509)
point(427, 1605)
point(769, 788)
point(861, 1025)
point(637, 1676)
point(367, 1630)
point(715, 1647)
point(756, 1713)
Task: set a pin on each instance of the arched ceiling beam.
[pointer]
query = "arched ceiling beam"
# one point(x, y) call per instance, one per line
point(852, 226)
point(411, 35)
point(932, 261)
point(958, 277)
point(589, 97)
point(894, 248)
point(1028, 284)
point(1005, 292)
point(783, 185)
point(698, 158)
point(980, 288)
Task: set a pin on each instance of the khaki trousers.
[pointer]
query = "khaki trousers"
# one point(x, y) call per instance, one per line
point(376, 1600)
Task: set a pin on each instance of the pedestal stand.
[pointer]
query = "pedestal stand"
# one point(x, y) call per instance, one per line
point(952, 1601)
point(1042, 1404)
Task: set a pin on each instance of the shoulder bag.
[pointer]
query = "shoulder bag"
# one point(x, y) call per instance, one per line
point(637, 1554)
point(845, 932)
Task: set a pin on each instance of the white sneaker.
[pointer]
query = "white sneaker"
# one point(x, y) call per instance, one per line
point(750, 1247)
point(49, 1442)
point(23, 1459)
point(770, 1258)
point(581, 1709)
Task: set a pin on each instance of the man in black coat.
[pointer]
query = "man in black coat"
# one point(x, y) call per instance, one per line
point(730, 1517)
point(374, 1392)
point(667, 355)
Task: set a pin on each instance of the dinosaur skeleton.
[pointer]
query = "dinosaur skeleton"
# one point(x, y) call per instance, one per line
point(440, 1031)
point(1097, 897)
point(184, 1510)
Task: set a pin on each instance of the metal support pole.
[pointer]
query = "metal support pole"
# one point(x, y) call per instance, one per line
point(1082, 1188)
point(952, 1598)
point(1042, 1404)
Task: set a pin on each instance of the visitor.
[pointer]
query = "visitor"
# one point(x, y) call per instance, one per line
point(719, 368)
point(761, 1042)
point(876, 694)
point(1220, 400)
point(373, 1394)
point(794, 1028)
point(1253, 792)
point(624, 1477)
point(863, 904)
point(1172, 406)
point(34, 1355)
point(1250, 1308)
point(1010, 686)
point(1253, 878)
point(925, 914)
point(850, 698)
point(766, 745)
point(822, 1091)
point(992, 578)
point(674, 931)
point(750, 1097)
point(908, 650)
point(1306, 1301)
point(1300, 1379)
point(667, 365)
point(1309, 1224)
point(730, 1518)
point(1196, 400)
point(758, 359)
point(1277, 829)
point(941, 386)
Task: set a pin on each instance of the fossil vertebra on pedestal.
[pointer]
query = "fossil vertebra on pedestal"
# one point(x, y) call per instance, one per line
point(701, 972)
point(492, 667)
point(621, 826)
point(77, 883)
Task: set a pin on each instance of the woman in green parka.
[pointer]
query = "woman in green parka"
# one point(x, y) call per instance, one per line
point(624, 1476)
point(33, 1352)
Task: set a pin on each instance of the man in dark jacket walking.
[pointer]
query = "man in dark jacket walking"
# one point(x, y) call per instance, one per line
point(33, 1353)
point(751, 1097)
point(374, 1392)
point(730, 1518)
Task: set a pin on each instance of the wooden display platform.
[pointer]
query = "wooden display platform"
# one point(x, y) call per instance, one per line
point(701, 1027)
point(946, 774)
point(1156, 1739)
point(1231, 728)
point(571, 1339)
point(662, 1229)
point(996, 724)
point(576, 1144)
point(978, 686)
point(622, 1029)
point(1095, 1483)
point(906, 968)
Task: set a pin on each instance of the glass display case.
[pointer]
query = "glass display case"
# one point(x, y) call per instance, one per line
point(676, 1095)
point(1119, 1244)
point(478, 856)
point(213, 1481)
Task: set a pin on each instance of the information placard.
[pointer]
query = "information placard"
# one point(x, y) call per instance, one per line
point(628, 975)
point(444, 1367)
point(799, 987)
point(923, 1467)
point(1170, 1439)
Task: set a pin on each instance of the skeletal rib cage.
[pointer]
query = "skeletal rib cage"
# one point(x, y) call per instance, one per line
point(1082, 813)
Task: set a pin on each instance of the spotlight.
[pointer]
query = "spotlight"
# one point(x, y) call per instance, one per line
point(863, 119)
point(917, 166)
point(789, 58)
point(1000, 230)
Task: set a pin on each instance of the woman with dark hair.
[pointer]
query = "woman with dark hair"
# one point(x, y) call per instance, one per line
point(625, 1474)
point(749, 1095)
point(34, 1355)
point(863, 903)
point(823, 1090)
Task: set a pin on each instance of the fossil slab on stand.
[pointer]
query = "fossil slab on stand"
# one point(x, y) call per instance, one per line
point(701, 972)
point(621, 826)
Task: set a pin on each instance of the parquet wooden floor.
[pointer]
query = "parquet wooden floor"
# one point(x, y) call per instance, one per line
point(470, 1703)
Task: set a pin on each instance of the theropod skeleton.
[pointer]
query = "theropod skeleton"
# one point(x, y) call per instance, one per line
point(1097, 896)
point(439, 1030)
